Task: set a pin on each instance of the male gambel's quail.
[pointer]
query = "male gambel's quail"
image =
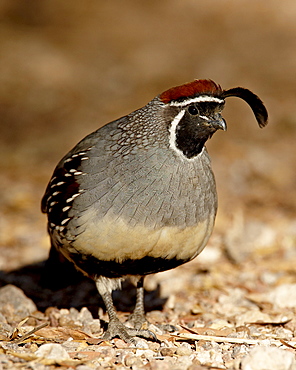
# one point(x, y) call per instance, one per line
point(138, 195)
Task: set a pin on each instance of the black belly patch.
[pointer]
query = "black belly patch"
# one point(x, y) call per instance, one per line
point(112, 269)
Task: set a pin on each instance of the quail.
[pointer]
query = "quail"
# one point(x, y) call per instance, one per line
point(138, 195)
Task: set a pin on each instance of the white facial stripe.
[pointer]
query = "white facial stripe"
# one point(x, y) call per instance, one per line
point(205, 118)
point(172, 131)
point(198, 99)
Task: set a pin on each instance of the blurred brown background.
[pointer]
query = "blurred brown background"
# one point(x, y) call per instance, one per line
point(67, 67)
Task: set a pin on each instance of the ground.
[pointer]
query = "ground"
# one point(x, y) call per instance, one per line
point(69, 67)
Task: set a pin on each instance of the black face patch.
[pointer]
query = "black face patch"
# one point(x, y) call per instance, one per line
point(195, 128)
point(191, 136)
point(208, 109)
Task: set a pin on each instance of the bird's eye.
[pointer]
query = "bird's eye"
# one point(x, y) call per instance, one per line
point(193, 110)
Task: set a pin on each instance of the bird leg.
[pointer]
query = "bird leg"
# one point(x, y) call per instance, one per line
point(116, 328)
point(137, 318)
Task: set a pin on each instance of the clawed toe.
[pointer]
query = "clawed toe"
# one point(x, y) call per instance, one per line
point(118, 329)
point(137, 321)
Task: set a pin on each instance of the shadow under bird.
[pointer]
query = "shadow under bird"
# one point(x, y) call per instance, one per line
point(138, 195)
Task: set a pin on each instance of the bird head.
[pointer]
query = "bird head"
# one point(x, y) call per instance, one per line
point(195, 113)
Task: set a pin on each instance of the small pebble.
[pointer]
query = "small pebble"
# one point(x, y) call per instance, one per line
point(22, 305)
point(84, 367)
point(283, 296)
point(168, 351)
point(262, 358)
point(52, 351)
point(132, 361)
point(141, 343)
point(220, 324)
point(183, 351)
point(145, 353)
point(95, 326)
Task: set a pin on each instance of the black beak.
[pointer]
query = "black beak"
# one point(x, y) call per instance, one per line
point(218, 124)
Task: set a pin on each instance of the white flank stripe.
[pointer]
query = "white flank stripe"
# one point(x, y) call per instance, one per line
point(65, 221)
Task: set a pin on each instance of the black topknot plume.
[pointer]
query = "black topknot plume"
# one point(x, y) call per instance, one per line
point(253, 100)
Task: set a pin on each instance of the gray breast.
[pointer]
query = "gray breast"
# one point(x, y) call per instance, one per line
point(150, 187)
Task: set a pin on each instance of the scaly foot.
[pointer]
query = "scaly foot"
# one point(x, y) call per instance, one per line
point(117, 329)
point(138, 320)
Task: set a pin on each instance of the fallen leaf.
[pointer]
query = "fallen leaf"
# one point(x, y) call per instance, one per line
point(208, 331)
point(60, 333)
